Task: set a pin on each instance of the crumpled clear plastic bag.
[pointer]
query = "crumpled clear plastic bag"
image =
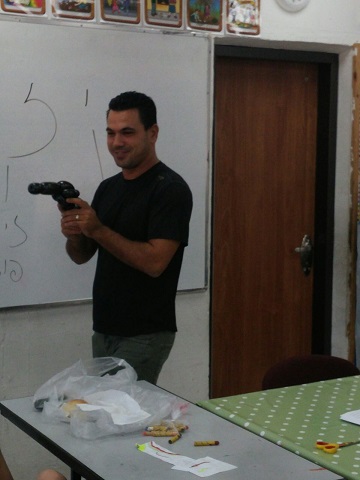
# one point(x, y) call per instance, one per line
point(96, 381)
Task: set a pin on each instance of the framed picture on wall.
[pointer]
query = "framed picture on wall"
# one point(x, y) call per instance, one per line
point(243, 17)
point(123, 11)
point(204, 15)
point(167, 13)
point(79, 9)
point(32, 7)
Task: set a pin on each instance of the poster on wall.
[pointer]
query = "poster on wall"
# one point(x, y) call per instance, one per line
point(243, 17)
point(122, 11)
point(36, 7)
point(204, 15)
point(79, 9)
point(167, 13)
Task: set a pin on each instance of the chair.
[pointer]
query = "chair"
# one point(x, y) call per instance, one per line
point(307, 369)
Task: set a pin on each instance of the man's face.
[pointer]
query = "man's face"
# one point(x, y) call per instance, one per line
point(129, 143)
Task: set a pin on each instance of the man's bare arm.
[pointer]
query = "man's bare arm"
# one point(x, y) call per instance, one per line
point(151, 257)
point(80, 248)
point(85, 232)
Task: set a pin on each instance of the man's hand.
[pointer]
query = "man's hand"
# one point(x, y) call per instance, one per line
point(81, 219)
point(74, 223)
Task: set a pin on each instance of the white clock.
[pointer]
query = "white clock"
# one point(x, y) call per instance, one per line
point(293, 5)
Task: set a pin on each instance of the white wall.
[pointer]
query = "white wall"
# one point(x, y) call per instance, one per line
point(335, 22)
point(35, 343)
point(341, 305)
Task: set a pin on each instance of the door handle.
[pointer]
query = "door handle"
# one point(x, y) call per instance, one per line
point(306, 254)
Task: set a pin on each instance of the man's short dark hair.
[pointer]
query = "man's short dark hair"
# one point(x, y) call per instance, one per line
point(135, 100)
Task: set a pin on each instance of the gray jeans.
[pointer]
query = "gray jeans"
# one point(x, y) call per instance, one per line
point(145, 353)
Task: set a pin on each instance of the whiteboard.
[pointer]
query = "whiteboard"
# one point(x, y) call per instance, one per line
point(57, 81)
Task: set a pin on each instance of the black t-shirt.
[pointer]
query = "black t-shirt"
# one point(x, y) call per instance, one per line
point(158, 204)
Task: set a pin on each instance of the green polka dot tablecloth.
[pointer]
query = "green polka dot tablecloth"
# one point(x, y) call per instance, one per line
point(297, 417)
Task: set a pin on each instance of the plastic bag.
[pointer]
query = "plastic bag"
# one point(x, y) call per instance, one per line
point(84, 378)
point(115, 402)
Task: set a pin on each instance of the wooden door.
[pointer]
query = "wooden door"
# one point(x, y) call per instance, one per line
point(263, 206)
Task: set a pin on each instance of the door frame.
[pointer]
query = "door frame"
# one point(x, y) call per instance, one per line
point(328, 68)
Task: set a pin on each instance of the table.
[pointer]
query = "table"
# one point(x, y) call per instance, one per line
point(116, 457)
point(298, 416)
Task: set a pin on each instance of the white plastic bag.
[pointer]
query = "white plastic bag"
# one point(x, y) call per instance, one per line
point(84, 378)
point(116, 402)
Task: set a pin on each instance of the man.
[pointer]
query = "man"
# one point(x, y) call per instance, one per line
point(5, 473)
point(138, 223)
point(48, 474)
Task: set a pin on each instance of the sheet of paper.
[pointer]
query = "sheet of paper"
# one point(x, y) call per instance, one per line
point(202, 467)
point(352, 417)
point(123, 409)
point(161, 453)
